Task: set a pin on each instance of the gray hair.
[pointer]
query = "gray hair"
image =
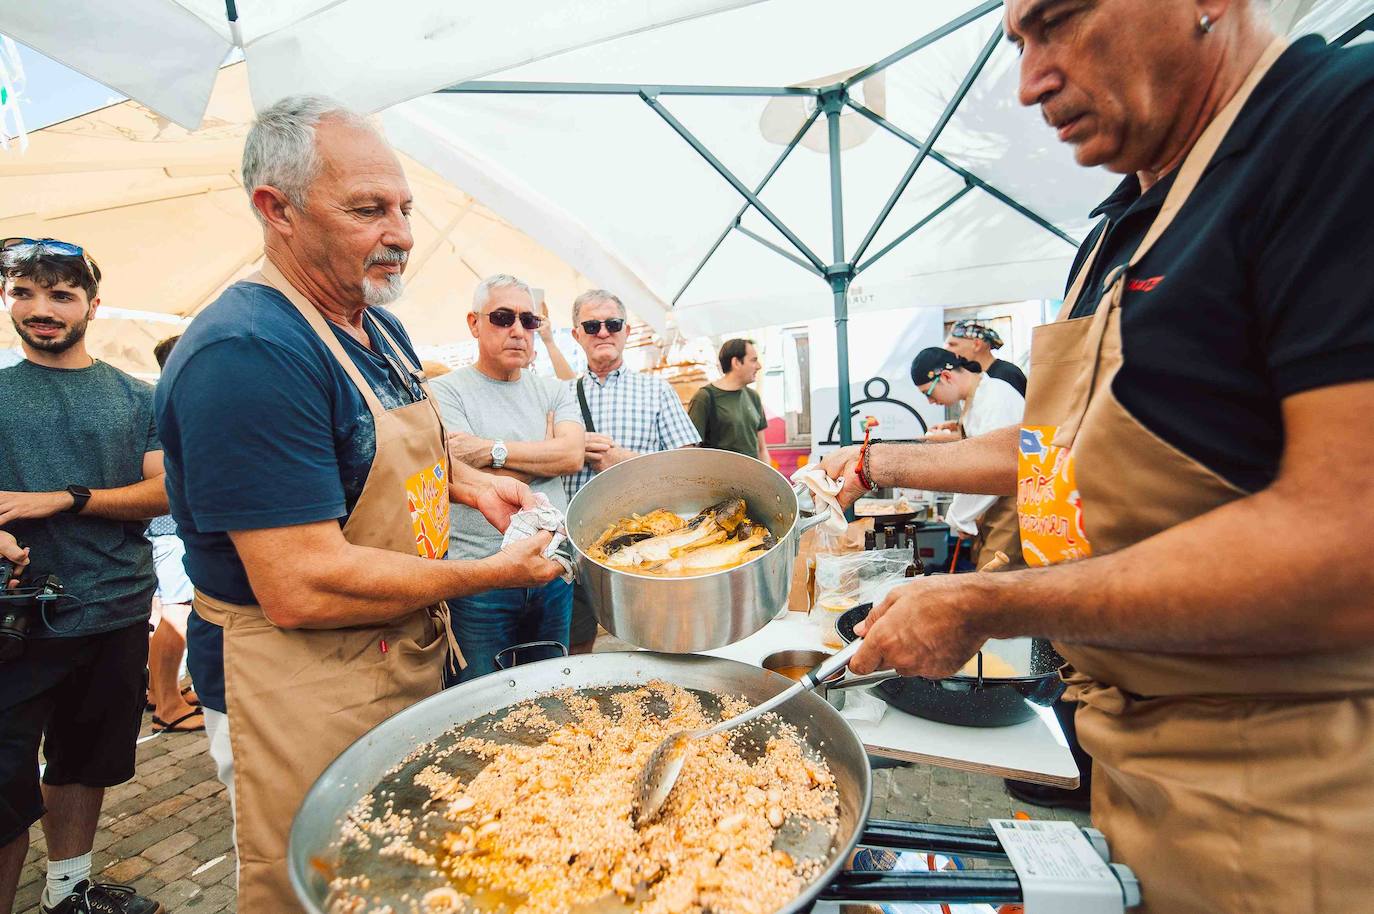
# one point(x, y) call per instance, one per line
point(482, 295)
point(280, 149)
point(596, 295)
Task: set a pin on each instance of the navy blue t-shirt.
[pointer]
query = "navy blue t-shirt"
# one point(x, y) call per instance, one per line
point(261, 427)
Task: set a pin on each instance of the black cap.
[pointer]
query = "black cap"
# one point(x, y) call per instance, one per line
point(930, 362)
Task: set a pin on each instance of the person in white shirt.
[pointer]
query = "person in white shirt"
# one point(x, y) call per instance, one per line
point(989, 403)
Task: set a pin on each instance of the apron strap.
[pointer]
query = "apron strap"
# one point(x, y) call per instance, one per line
point(1189, 175)
point(316, 320)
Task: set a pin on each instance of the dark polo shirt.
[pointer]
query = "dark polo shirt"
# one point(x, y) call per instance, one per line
point(1263, 286)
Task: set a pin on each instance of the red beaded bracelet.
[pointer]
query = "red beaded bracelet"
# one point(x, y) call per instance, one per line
point(861, 470)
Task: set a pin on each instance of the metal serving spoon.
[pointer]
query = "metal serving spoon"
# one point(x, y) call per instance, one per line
point(660, 772)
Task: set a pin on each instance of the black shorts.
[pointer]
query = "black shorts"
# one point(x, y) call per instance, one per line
point(84, 698)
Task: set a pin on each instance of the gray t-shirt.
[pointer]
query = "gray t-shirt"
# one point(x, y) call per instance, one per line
point(510, 411)
point(89, 427)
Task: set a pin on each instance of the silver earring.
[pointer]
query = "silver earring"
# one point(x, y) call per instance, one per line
point(1204, 24)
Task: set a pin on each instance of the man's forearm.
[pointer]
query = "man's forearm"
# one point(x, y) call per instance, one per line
point(141, 501)
point(545, 459)
point(371, 586)
point(985, 465)
point(1214, 585)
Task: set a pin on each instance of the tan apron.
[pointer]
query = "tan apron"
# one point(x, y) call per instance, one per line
point(298, 698)
point(1228, 783)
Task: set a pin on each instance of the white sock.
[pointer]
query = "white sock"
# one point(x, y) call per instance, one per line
point(63, 875)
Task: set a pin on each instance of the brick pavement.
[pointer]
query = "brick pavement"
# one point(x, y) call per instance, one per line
point(168, 832)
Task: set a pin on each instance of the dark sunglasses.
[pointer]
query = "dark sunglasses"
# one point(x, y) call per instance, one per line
point(613, 325)
point(505, 317)
point(26, 246)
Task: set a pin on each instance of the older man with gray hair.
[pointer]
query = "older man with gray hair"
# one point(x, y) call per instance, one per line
point(309, 477)
point(507, 421)
point(626, 414)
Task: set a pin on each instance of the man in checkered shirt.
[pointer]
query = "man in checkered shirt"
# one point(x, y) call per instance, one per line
point(626, 414)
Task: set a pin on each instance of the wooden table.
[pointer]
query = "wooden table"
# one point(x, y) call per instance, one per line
point(1034, 751)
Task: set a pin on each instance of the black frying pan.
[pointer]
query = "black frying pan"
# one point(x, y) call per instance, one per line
point(978, 700)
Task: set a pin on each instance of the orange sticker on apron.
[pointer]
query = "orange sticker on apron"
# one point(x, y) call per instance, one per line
point(1047, 500)
point(427, 501)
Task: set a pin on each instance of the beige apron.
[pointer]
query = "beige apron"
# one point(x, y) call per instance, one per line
point(1228, 783)
point(297, 698)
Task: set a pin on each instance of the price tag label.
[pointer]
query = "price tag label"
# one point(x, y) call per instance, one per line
point(1060, 872)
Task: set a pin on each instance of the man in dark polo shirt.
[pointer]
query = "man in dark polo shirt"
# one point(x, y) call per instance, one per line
point(1206, 384)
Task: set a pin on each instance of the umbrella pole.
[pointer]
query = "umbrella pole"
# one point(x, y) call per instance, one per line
point(840, 272)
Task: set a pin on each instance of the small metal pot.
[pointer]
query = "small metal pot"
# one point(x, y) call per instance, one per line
point(681, 615)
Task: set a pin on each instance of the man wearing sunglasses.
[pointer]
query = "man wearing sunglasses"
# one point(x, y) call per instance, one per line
point(80, 474)
point(498, 414)
point(626, 413)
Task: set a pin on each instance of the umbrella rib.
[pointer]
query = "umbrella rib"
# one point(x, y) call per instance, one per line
point(777, 248)
point(995, 192)
point(945, 116)
point(758, 189)
point(730, 178)
point(920, 224)
point(926, 40)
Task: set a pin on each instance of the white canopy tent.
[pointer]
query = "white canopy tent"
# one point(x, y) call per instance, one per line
point(826, 125)
point(165, 53)
point(162, 210)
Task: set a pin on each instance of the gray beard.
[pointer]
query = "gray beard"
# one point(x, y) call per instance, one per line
point(374, 295)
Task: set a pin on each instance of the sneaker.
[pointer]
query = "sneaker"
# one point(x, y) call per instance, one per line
point(1079, 798)
point(104, 898)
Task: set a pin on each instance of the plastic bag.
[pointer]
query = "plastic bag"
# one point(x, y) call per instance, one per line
point(845, 581)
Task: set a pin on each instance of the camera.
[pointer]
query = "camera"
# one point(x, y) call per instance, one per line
point(19, 607)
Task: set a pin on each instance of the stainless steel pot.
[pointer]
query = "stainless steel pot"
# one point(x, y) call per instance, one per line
point(313, 853)
point(681, 615)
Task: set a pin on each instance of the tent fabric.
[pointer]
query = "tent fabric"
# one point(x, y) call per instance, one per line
point(163, 212)
point(164, 53)
point(605, 183)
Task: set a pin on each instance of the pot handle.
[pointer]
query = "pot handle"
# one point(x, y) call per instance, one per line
point(804, 498)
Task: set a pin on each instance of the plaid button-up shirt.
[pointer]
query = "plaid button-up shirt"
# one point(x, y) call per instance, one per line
point(638, 411)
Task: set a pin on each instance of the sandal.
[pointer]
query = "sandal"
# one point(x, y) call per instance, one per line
point(192, 699)
point(162, 726)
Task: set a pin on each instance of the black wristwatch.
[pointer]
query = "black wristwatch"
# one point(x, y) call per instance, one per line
point(80, 495)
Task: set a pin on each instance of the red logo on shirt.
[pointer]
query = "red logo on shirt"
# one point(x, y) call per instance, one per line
point(1144, 285)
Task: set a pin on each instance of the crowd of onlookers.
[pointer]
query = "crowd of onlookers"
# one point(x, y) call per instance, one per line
point(272, 511)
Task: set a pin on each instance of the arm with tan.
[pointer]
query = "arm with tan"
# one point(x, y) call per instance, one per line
point(1208, 586)
point(309, 576)
point(141, 500)
point(983, 465)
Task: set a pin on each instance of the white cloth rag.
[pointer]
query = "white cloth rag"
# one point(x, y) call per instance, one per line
point(823, 493)
point(543, 516)
point(862, 705)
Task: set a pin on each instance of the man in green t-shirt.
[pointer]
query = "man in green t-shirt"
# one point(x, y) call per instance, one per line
point(728, 414)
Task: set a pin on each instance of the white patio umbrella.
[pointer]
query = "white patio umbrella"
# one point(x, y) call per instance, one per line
point(782, 161)
point(163, 211)
point(165, 53)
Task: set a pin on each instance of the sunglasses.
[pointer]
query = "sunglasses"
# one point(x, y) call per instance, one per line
point(41, 246)
point(929, 392)
point(613, 325)
point(505, 317)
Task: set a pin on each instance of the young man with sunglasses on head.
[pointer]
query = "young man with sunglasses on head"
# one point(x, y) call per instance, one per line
point(80, 475)
point(497, 415)
point(626, 414)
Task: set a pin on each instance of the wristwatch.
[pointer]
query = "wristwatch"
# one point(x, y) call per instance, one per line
point(498, 454)
point(80, 495)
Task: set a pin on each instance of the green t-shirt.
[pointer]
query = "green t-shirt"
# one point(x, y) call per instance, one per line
point(728, 419)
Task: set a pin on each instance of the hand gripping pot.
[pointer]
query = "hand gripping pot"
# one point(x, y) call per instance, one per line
point(679, 615)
